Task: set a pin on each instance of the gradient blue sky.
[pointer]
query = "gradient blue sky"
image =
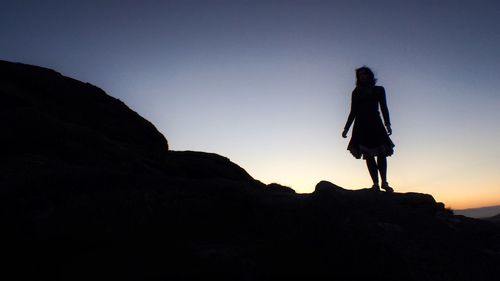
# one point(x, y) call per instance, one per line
point(268, 83)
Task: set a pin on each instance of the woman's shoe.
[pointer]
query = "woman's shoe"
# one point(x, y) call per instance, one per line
point(387, 188)
point(375, 187)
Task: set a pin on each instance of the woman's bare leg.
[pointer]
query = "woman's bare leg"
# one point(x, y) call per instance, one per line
point(372, 168)
point(382, 167)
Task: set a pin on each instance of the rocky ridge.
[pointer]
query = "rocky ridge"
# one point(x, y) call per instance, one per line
point(90, 190)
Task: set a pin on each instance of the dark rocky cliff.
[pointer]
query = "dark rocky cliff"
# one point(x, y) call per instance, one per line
point(89, 190)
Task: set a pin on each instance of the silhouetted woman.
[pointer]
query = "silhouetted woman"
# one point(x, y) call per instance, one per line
point(369, 137)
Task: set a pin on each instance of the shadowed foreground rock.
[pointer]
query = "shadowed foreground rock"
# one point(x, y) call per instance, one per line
point(89, 190)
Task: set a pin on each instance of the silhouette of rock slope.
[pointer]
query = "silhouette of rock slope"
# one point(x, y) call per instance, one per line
point(89, 190)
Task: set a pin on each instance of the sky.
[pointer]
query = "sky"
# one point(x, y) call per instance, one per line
point(268, 83)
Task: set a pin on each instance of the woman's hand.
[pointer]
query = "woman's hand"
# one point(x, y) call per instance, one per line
point(389, 130)
point(344, 133)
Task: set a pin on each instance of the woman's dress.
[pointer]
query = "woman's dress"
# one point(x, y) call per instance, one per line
point(369, 137)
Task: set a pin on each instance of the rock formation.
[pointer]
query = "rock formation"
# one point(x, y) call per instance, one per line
point(89, 190)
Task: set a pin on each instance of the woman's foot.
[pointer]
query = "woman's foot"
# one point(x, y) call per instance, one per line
point(387, 188)
point(375, 187)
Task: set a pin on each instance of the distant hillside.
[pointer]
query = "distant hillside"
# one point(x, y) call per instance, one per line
point(484, 212)
point(494, 218)
point(90, 191)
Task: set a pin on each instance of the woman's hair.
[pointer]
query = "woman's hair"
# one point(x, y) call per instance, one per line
point(368, 71)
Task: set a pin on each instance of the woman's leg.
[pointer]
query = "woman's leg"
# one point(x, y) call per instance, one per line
point(382, 167)
point(372, 168)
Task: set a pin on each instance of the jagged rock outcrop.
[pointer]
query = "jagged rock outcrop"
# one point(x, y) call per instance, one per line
point(89, 190)
point(43, 112)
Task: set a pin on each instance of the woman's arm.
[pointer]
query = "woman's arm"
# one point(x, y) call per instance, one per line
point(383, 107)
point(352, 116)
point(385, 111)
